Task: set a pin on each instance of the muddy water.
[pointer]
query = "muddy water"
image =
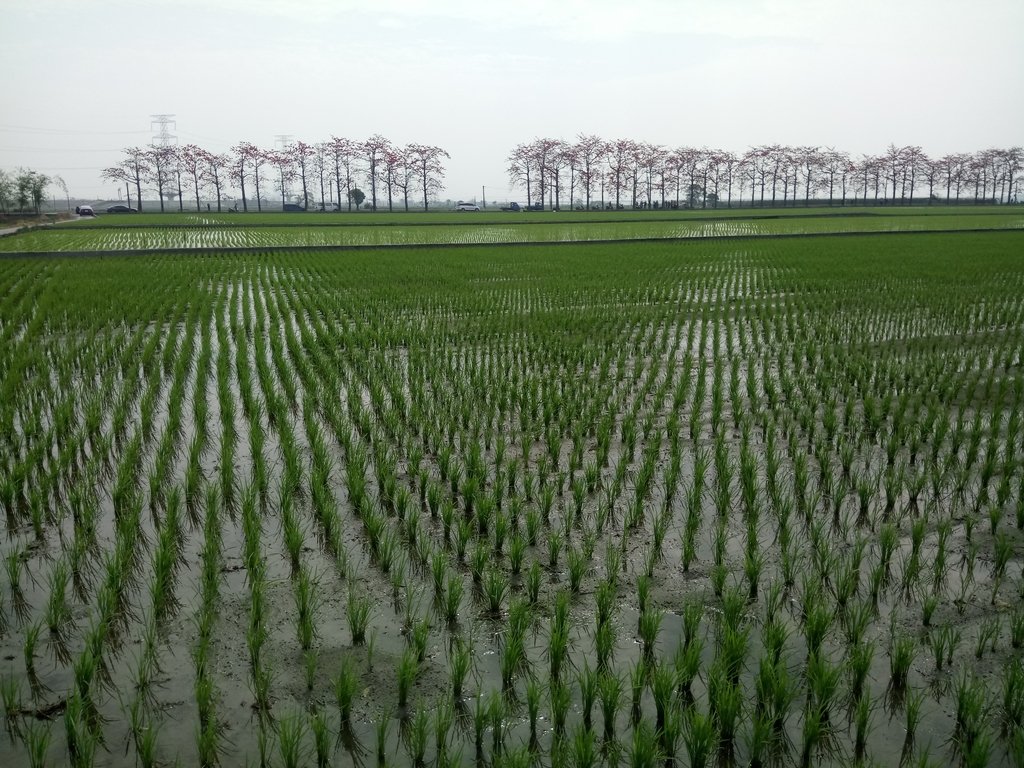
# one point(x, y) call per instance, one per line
point(646, 368)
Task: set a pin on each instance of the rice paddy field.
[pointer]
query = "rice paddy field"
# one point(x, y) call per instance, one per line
point(243, 231)
point(667, 500)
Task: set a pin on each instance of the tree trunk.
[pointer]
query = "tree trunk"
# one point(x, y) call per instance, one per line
point(424, 171)
point(373, 186)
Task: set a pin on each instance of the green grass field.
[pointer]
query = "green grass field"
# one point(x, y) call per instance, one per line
point(750, 501)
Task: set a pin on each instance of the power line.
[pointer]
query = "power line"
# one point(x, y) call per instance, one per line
point(52, 149)
point(7, 128)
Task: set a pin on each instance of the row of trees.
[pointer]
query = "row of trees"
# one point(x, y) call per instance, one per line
point(649, 175)
point(24, 190)
point(389, 171)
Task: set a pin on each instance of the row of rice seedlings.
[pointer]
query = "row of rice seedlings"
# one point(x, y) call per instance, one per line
point(193, 470)
point(227, 407)
point(260, 665)
point(209, 735)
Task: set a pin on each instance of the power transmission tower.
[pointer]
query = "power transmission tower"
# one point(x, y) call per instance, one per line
point(282, 140)
point(163, 137)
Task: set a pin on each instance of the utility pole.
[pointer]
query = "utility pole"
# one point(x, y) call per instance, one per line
point(163, 137)
point(483, 197)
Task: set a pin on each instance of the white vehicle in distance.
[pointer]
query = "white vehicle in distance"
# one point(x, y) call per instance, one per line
point(461, 206)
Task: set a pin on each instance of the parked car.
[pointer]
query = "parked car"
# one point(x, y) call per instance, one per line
point(328, 207)
point(512, 207)
point(121, 209)
point(461, 206)
point(85, 210)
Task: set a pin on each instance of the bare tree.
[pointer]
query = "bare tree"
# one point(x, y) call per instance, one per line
point(391, 163)
point(620, 156)
point(177, 169)
point(282, 163)
point(952, 168)
point(194, 164)
point(321, 166)
point(728, 163)
point(894, 161)
point(545, 157)
point(831, 166)
point(344, 153)
point(914, 159)
point(778, 163)
point(373, 150)
point(161, 168)
point(590, 152)
point(930, 172)
point(755, 164)
point(216, 167)
point(551, 154)
point(1013, 160)
point(521, 170)
point(131, 170)
point(572, 163)
point(426, 164)
point(302, 155)
point(247, 159)
point(809, 160)
point(650, 161)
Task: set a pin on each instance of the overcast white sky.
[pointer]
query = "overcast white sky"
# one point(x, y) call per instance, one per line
point(81, 79)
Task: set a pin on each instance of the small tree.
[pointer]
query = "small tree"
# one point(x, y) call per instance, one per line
point(6, 191)
point(37, 188)
point(24, 189)
point(59, 181)
point(356, 196)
